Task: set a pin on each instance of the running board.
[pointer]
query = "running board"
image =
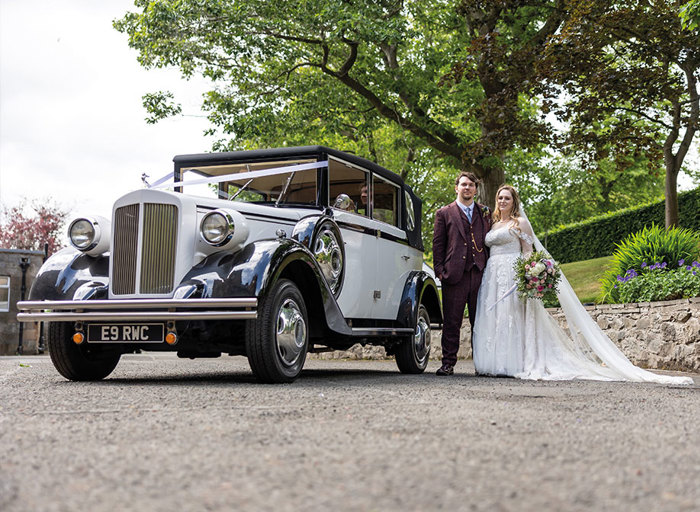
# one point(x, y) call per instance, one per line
point(381, 331)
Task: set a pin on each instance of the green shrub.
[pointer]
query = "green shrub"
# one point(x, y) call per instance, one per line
point(653, 247)
point(660, 284)
point(597, 237)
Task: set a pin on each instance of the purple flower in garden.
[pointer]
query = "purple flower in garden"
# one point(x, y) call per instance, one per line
point(644, 264)
point(663, 265)
point(680, 262)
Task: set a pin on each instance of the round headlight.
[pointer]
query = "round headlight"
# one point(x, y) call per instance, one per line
point(81, 234)
point(217, 228)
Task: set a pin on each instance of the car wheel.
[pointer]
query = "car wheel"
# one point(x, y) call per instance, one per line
point(413, 354)
point(78, 362)
point(277, 341)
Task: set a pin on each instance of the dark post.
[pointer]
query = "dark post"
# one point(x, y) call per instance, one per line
point(24, 265)
point(41, 346)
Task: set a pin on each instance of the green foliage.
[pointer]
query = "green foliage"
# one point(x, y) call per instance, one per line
point(559, 191)
point(690, 14)
point(661, 284)
point(630, 75)
point(653, 247)
point(160, 105)
point(598, 236)
point(452, 80)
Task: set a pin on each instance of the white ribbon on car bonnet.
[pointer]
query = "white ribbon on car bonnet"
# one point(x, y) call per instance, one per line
point(239, 176)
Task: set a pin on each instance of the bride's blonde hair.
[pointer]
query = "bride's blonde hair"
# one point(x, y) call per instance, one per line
point(515, 212)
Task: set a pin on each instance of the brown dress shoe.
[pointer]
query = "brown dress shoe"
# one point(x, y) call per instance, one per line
point(445, 369)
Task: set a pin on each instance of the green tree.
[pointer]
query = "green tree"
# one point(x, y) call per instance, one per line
point(630, 74)
point(451, 82)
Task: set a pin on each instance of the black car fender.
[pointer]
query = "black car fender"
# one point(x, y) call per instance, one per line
point(420, 288)
point(71, 275)
point(253, 271)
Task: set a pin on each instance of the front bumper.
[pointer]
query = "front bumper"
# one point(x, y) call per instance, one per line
point(136, 310)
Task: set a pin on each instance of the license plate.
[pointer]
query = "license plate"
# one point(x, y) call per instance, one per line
point(125, 333)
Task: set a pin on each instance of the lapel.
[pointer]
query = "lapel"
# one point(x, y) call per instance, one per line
point(458, 217)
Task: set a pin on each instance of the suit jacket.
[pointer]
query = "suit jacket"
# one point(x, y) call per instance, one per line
point(453, 247)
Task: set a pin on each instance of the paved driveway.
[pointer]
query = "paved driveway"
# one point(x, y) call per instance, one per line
point(167, 434)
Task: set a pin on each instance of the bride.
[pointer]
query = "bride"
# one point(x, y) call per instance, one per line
point(520, 339)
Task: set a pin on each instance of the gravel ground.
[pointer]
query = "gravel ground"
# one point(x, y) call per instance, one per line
point(167, 434)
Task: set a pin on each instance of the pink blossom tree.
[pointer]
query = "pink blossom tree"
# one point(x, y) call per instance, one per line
point(19, 230)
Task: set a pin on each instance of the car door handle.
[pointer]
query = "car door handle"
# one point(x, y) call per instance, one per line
point(405, 258)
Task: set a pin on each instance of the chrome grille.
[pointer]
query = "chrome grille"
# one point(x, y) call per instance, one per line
point(126, 231)
point(158, 246)
point(158, 252)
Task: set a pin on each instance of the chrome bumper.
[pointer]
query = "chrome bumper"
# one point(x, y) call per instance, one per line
point(136, 310)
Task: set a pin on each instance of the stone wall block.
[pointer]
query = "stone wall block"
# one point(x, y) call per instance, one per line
point(644, 322)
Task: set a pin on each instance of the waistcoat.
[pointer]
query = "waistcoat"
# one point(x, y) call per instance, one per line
point(476, 256)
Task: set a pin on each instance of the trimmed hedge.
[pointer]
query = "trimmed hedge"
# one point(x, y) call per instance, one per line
point(598, 236)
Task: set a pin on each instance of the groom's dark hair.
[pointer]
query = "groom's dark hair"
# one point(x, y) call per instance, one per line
point(469, 175)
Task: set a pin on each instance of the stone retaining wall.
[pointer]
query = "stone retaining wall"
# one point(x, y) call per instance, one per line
point(656, 335)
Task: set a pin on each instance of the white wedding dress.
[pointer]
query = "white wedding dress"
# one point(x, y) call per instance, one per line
point(521, 339)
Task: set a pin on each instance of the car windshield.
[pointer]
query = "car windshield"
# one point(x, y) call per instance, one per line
point(260, 182)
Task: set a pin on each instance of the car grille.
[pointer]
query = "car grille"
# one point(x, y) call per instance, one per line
point(158, 242)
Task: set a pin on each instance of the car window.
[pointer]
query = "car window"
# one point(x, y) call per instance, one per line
point(386, 201)
point(410, 212)
point(348, 188)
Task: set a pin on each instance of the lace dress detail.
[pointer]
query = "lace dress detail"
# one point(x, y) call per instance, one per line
point(496, 350)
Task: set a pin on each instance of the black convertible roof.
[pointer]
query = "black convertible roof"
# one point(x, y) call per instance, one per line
point(317, 152)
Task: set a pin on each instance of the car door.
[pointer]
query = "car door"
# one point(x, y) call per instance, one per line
point(395, 258)
point(348, 188)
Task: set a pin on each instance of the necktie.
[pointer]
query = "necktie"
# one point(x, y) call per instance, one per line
point(469, 215)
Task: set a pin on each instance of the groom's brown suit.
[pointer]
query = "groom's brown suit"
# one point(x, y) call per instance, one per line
point(459, 257)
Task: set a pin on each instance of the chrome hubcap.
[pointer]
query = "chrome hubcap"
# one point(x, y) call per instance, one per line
point(291, 332)
point(421, 339)
point(330, 257)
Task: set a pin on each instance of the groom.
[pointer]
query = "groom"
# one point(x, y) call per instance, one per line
point(459, 257)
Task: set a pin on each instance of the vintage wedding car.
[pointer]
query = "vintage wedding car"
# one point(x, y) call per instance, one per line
point(268, 253)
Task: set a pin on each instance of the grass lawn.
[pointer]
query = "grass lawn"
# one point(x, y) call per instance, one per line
point(585, 276)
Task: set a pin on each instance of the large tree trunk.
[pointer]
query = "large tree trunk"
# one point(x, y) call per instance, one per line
point(671, 192)
point(493, 178)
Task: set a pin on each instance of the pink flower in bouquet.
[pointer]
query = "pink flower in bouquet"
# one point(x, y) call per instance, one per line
point(540, 288)
point(549, 285)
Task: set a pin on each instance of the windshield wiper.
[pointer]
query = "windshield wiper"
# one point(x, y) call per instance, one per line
point(234, 196)
point(284, 190)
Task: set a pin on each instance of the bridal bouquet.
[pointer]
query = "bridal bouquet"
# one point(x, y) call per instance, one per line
point(537, 276)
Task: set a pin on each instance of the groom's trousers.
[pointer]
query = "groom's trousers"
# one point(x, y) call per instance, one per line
point(454, 299)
